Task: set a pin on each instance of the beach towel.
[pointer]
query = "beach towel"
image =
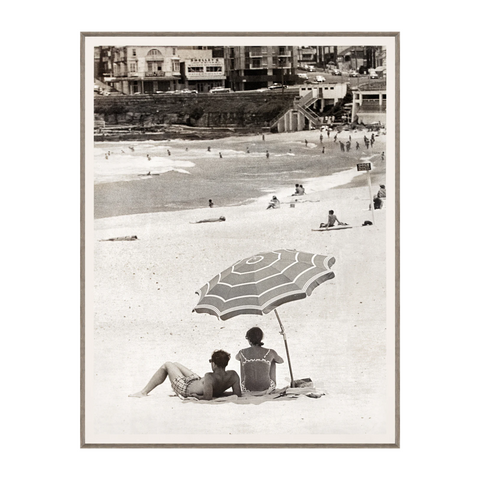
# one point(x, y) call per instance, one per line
point(278, 395)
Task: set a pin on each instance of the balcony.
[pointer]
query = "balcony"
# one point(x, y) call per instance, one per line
point(282, 65)
point(256, 66)
point(155, 74)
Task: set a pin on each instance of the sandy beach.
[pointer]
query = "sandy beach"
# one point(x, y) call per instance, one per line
point(143, 294)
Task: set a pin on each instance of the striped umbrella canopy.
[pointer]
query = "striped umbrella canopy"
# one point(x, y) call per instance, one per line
point(259, 284)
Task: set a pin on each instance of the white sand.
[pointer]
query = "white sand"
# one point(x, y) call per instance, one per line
point(144, 293)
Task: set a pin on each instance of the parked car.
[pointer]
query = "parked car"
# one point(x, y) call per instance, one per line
point(320, 79)
point(188, 91)
point(336, 71)
point(303, 76)
point(373, 75)
point(220, 90)
point(353, 73)
point(276, 85)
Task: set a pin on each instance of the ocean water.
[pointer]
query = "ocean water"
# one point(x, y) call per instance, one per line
point(155, 176)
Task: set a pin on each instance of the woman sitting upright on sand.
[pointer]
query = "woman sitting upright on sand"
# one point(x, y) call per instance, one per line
point(257, 365)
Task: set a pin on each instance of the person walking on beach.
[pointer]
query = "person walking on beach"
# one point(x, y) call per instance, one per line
point(335, 138)
point(321, 138)
point(332, 218)
point(267, 154)
point(220, 154)
point(257, 365)
point(328, 133)
point(208, 149)
point(357, 146)
point(186, 383)
point(210, 203)
point(323, 149)
point(306, 142)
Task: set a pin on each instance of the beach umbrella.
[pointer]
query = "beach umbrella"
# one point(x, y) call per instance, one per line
point(261, 283)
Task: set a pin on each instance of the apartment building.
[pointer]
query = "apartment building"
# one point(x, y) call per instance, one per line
point(151, 69)
point(253, 67)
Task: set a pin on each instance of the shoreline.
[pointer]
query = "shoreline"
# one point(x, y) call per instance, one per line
point(185, 175)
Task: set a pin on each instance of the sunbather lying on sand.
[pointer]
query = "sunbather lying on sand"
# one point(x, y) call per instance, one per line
point(332, 218)
point(186, 383)
point(129, 238)
point(208, 220)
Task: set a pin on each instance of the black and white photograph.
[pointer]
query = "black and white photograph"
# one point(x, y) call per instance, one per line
point(239, 263)
point(176, 301)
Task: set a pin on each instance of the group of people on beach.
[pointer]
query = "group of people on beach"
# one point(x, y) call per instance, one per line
point(257, 373)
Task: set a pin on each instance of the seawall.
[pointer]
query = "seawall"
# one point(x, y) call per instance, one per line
point(238, 110)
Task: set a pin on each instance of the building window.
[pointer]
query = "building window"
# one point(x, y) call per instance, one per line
point(214, 69)
point(133, 66)
point(154, 66)
point(154, 53)
point(195, 69)
point(134, 52)
point(176, 65)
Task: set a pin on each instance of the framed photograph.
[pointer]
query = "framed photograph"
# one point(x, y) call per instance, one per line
point(240, 254)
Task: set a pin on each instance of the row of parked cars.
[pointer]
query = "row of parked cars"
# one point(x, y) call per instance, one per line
point(187, 91)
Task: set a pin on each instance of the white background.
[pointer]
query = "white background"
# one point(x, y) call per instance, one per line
point(40, 199)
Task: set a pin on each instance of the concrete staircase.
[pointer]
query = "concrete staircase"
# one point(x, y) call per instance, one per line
point(300, 111)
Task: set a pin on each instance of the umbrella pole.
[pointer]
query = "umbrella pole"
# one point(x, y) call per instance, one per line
point(282, 332)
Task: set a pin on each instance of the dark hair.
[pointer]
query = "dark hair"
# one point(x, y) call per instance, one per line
point(330, 212)
point(254, 336)
point(220, 358)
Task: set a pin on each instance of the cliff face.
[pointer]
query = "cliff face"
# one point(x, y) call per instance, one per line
point(243, 109)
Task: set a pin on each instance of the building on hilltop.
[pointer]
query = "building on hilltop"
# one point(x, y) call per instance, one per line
point(361, 58)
